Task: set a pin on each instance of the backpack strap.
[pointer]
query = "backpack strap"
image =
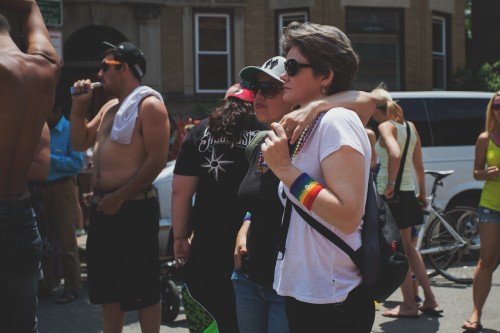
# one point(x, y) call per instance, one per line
point(369, 243)
point(254, 146)
point(328, 234)
point(402, 163)
point(284, 227)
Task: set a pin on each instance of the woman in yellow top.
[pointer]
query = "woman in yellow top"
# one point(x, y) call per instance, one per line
point(486, 164)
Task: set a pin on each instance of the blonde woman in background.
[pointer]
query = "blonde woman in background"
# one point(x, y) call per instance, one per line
point(486, 164)
point(407, 211)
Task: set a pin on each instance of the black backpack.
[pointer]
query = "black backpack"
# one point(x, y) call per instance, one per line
point(380, 259)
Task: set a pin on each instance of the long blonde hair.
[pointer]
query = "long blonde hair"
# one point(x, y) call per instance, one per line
point(388, 105)
point(491, 123)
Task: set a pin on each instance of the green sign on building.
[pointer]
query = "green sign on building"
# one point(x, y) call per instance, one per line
point(51, 12)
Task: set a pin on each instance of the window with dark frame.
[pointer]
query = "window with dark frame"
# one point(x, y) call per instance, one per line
point(212, 52)
point(438, 53)
point(284, 18)
point(377, 36)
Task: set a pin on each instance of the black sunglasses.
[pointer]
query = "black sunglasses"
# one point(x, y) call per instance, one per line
point(292, 66)
point(106, 63)
point(495, 107)
point(268, 89)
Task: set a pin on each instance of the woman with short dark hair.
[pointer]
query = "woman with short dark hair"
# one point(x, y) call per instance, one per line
point(326, 176)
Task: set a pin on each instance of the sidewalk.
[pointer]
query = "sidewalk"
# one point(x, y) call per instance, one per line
point(456, 300)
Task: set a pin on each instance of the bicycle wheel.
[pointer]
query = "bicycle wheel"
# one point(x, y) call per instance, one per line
point(453, 259)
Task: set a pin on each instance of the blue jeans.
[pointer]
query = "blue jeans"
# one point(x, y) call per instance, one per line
point(259, 308)
point(20, 252)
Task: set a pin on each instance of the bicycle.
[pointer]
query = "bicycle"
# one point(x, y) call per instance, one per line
point(450, 241)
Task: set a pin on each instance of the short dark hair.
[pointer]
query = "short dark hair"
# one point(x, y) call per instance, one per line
point(326, 47)
point(4, 24)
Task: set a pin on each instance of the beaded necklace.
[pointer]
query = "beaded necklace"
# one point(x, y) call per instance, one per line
point(304, 136)
point(261, 163)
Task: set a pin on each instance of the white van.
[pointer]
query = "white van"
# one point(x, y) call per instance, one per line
point(448, 123)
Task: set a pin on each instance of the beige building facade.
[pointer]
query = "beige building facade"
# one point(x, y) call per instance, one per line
point(196, 48)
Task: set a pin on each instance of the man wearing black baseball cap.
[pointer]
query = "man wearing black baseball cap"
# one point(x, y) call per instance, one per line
point(131, 55)
point(130, 136)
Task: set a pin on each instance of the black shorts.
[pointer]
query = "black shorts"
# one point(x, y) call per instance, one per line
point(407, 212)
point(123, 257)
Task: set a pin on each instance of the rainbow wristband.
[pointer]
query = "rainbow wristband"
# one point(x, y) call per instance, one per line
point(248, 216)
point(305, 189)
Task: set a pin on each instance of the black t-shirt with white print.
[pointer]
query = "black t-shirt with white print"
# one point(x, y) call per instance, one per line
point(217, 216)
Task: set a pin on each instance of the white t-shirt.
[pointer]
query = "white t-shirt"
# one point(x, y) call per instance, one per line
point(313, 269)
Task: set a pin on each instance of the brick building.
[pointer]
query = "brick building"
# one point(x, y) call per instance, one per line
point(196, 48)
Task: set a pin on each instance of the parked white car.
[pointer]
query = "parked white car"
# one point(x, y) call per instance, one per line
point(163, 184)
point(448, 123)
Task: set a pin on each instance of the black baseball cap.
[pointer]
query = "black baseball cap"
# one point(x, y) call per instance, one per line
point(132, 55)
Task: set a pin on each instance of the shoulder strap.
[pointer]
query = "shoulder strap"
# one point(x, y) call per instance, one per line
point(370, 243)
point(285, 225)
point(254, 145)
point(327, 233)
point(402, 163)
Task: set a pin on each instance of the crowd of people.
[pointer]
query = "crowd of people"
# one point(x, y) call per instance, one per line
point(289, 140)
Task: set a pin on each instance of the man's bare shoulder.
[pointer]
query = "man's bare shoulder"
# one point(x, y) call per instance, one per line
point(21, 66)
point(152, 104)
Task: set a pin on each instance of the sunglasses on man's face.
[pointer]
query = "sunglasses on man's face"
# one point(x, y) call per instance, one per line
point(292, 66)
point(267, 89)
point(106, 63)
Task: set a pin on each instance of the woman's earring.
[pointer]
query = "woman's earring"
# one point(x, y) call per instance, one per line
point(323, 90)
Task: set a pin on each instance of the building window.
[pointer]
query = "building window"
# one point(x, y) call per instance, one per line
point(212, 52)
point(438, 53)
point(376, 35)
point(284, 18)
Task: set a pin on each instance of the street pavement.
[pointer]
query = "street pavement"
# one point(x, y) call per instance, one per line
point(82, 317)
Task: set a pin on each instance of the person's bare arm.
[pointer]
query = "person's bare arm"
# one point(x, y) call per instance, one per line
point(480, 172)
point(83, 133)
point(418, 164)
point(373, 139)
point(156, 133)
point(241, 243)
point(40, 166)
point(388, 134)
point(361, 102)
point(183, 189)
point(37, 37)
point(340, 203)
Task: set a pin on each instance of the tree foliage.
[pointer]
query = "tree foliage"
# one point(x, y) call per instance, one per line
point(485, 77)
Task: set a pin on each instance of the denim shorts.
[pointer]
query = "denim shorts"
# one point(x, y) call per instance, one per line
point(487, 215)
point(20, 242)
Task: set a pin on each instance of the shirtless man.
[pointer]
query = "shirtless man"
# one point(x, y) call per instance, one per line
point(130, 136)
point(27, 89)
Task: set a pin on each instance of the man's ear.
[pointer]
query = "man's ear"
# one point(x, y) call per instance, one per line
point(125, 65)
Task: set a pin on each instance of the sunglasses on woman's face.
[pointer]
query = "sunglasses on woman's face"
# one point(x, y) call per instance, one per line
point(267, 89)
point(495, 107)
point(292, 66)
point(106, 63)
